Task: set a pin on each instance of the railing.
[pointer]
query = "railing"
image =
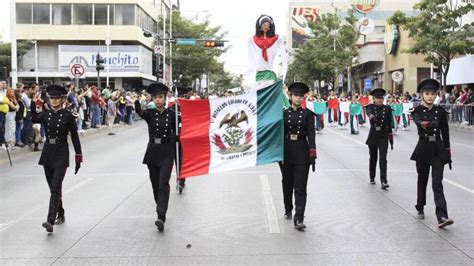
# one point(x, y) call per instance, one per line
point(458, 113)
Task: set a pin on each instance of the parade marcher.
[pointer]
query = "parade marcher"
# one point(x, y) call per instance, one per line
point(343, 115)
point(432, 151)
point(183, 93)
point(333, 107)
point(160, 152)
point(380, 134)
point(58, 123)
point(299, 153)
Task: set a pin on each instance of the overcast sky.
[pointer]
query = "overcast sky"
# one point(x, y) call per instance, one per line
point(237, 17)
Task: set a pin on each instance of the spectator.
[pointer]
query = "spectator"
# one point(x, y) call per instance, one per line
point(95, 106)
point(82, 109)
point(20, 116)
point(10, 125)
point(122, 103)
point(27, 130)
point(128, 108)
point(3, 110)
point(111, 112)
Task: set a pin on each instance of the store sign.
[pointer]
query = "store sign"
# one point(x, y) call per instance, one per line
point(366, 26)
point(122, 58)
point(364, 6)
point(367, 84)
point(300, 19)
point(391, 38)
point(397, 76)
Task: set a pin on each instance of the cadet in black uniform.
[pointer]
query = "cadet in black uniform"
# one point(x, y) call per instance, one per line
point(432, 150)
point(160, 152)
point(183, 93)
point(380, 135)
point(299, 153)
point(58, 123)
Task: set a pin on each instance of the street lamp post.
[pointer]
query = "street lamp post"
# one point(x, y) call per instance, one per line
point(36, 60)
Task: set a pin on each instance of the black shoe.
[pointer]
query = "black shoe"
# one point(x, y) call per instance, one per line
point(443, 222)
point(299, 225)
point(288, 216)
point(160, 225)
point(61, 219)
point(372, 182)
point(111, 134)
point(48, 226)
point(420, 215)
point(36, 147)
point(385, 186)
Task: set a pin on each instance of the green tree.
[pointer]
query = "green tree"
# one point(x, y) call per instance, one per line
point(329, 53)
point(6, 50)
point(437, 31)
point(190, 62)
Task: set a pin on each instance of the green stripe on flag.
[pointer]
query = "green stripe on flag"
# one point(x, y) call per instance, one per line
point(270, 124)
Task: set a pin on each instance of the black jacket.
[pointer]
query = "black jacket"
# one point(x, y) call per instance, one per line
point(437, 130)
point(380, 125)
point(299, 134)
point(57, 125)
point(162, 136)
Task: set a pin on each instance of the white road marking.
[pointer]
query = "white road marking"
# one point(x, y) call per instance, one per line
point(445, 179)
point(272, 220)
point(459, 186)
point(19, 219)
point(462, 145)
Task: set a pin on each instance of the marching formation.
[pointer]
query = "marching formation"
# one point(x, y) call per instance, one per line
point(299, 151)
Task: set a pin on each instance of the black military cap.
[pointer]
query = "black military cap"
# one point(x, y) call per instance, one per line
point(428, 85)
point(379, 92)
point(298, 88)
point(157, 88)
point(56, 91)
point(182, 91)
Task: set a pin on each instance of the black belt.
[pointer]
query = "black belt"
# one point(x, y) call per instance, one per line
point(295, 137)
point(429, 138)
point(56, 141)
point(160, 140)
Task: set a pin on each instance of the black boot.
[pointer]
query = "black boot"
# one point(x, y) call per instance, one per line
point(443, 222)
point(420, 215)
point(36, 146)
point(160, 225)
point(60, 219)
point(385, 185)
point(48, 226)
point(299, 225)
point(288, 215)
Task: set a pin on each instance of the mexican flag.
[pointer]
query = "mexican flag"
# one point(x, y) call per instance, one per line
point(225, 134)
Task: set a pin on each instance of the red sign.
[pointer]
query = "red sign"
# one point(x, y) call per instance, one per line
point(365, 6)
point(77, 70)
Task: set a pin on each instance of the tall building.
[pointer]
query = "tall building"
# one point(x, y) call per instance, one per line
point(375, 64)
point(68, 32)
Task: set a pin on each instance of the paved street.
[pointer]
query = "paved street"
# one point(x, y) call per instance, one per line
point(237, 217)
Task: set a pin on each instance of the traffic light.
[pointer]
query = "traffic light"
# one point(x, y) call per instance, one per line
point(99, 61)
point(212, 44)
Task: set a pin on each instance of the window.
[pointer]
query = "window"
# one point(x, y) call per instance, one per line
point(23, 14)
point(145, 21)
point(82, 14)
point(62, 14)
point(41, 14)
point(124, 14)
point(100, 14)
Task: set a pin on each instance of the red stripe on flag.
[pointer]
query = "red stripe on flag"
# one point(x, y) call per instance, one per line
point(195, 115)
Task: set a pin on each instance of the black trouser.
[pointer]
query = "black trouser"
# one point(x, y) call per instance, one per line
point(380, 150)
point(55, 177)
point(182, 181)
point(160, 181)
point(295, 177)
point(437, 168)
